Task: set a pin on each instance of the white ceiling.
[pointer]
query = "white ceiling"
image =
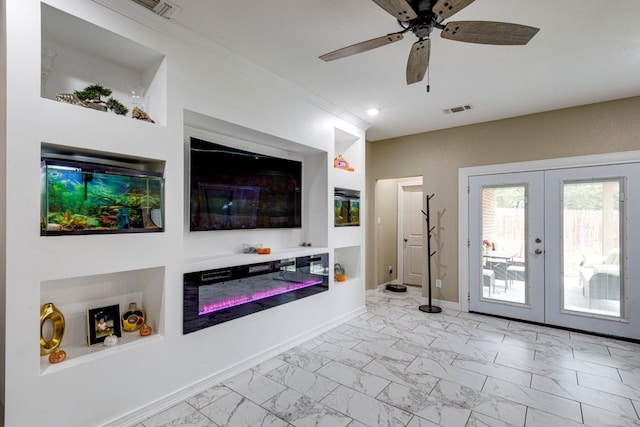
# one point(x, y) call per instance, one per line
point(586, 51)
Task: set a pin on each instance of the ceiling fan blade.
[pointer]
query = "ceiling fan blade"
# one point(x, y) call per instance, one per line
point(400, 9)
point(488, 32)
point(362, 46)
point(446, 8)
point(418, 61)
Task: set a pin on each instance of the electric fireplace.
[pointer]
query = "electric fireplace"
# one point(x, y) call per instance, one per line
point(216, 296)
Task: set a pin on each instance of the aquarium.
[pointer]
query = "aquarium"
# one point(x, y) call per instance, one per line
point(346, 207)
point(88, 198)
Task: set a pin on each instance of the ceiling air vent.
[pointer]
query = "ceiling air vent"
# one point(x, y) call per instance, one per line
point(457, 109)
point(163, 8)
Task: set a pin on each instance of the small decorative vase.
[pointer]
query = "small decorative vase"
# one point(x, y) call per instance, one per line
point(50, 313)
point(133, 318)
point(57, 356)
point(110, 341)
point(137, 97)
point(145, 330)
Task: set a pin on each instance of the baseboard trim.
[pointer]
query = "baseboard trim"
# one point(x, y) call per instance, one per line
point(178, 396)
point(448, 305)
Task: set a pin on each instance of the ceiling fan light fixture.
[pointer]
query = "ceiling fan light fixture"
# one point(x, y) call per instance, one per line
point(373, 112)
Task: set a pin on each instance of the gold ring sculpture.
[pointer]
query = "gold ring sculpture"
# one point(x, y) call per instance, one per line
point(50, 312)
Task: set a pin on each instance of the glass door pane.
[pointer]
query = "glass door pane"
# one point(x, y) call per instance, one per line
point(503, 241)
point(591, 247)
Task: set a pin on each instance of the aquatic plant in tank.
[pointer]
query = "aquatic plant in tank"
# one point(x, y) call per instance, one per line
point(86, 198)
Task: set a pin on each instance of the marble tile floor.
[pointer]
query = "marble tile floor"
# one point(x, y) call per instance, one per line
point(398, 366)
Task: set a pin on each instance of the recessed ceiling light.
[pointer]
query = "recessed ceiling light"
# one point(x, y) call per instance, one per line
point(373, 112)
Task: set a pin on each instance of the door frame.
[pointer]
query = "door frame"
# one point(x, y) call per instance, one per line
point(400, 228)
point(528, 166)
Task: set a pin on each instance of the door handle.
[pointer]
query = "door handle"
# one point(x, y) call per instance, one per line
point(406, 240)
point(538, 251)
point(538, 240)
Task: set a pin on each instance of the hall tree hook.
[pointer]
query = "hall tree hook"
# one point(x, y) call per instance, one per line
point(429, 308)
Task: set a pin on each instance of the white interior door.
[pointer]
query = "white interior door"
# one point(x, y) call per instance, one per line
point(589, 280)
point(411, 230)
point(576, 237)
point(506, 262)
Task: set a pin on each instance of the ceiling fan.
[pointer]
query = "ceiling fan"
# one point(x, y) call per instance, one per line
point(421, 17)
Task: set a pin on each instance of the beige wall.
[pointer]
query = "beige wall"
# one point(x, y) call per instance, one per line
point(593, 129)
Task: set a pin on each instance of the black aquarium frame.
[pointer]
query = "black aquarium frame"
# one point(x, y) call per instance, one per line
point(91, 167)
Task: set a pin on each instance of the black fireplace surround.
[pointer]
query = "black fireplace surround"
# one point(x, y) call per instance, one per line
point(216, 296)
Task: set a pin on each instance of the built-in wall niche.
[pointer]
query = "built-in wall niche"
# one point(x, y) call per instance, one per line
point(75, 295)
point(76, 54)
point(315, 209)
point(348, 259)
point(347, 146)
point(85, 192)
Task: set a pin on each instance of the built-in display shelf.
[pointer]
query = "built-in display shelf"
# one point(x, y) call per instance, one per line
point(211, 261)
point(76, 54)
point(81, 354)
point(75, 295)
point(348, 146)
point(349, 258)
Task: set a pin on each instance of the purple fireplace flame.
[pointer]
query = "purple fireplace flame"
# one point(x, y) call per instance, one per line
point(256, 296)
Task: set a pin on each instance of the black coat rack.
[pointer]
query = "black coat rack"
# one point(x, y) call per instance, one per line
point(429, 308)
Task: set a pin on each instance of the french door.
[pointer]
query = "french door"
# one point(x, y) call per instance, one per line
point(553, 247)
point(506, 222)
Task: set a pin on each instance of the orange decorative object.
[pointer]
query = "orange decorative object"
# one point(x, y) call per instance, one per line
point(264, 251)
point(57, 356)
point(341, 163)
point(145, 330)
point(341, 277)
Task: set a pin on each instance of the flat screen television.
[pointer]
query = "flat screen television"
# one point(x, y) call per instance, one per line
point(236, 189)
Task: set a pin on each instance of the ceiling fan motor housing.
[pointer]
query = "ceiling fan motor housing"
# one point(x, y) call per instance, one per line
point(423, 25)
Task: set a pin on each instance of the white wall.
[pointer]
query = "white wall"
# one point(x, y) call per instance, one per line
point(210, 82)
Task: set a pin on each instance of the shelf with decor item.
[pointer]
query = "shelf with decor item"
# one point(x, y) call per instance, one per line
point(348, 152)
point(88, 66)
point(212, 261)
point(347, 262)
point(78, 298)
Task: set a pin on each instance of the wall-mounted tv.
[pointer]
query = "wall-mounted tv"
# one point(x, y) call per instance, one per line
point(236, 189)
